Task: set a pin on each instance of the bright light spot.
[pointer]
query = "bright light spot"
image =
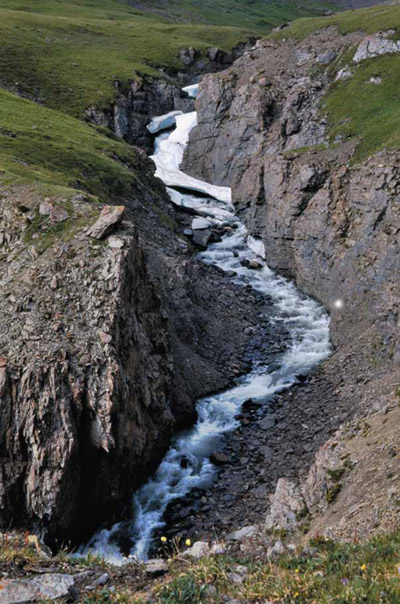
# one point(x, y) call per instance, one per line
point(338, 304)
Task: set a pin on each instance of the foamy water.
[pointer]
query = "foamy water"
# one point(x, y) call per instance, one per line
point(187, 464)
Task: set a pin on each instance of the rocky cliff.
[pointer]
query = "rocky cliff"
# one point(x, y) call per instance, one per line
point(139, 100)
point(110, 329)
point(328, 216)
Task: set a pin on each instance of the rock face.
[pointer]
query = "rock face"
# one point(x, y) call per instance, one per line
point(331, 226)
point(254, 133)
point(376, 45)
point(145, 97)
point(135, 106)
point(105, 345)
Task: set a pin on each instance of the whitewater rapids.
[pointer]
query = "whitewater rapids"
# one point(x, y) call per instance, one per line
point(187, 464)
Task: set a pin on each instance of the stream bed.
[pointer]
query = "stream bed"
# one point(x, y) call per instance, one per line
point(187, 464)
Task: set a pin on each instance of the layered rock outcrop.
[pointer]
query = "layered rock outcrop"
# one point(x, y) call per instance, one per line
point(327, 222)
point(109, 332)
point(331, 226)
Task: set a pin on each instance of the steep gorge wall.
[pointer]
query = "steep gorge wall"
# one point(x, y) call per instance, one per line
point(331, 225)
point(105, 345)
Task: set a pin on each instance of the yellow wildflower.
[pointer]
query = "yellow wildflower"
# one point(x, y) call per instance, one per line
point(363, 567)
point(163, 539)
point(188, 542)
point(297, 571)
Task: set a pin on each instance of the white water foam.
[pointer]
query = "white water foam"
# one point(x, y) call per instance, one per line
point(187, 465)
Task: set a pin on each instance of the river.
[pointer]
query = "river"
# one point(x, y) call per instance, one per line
point(187, 464)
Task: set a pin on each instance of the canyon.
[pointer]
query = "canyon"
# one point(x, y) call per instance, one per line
point(164, 320)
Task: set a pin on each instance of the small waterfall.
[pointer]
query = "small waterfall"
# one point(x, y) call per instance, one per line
point(187, 465)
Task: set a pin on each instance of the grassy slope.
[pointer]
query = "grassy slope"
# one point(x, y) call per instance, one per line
point(350, 573)
point(49, 148)
point(257, 15)
point(66, 53)
point(356, 107)
point(334, 574)
point(370, 20)
point(69, 57)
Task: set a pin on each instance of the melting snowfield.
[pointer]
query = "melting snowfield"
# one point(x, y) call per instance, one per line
point(187, 465)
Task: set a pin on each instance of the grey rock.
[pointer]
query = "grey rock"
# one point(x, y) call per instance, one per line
point(344, 74)
point(210, 591)
point(199, 550)
point(102, 580)
point(236, 578)
point(202, 237)
point(267, 423)
point(45, 587)
point(326, 57)
point(287, 503)
point(276, 550)
point(109, 218)
point(156, 567)
point(247, 532)
point(219, 459)
point(376, 45)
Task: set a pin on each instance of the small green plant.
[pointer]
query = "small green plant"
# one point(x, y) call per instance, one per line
point(183, 589)
point(102, 597)
point(333, 492)
point(336, 474)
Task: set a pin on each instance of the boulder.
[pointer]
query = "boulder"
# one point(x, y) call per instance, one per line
point(200, 549)
point(326, 57)
point(156, 566)
point(219, 459)
point(46, 587)
point(276, 550)
point(109, 218)
point(202, 238)
point(102, 580)
point(255, 264)
point(287, 503)
point(267, 423)
point(376, 45)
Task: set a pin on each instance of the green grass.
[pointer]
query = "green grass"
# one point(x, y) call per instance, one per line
point(69, 58)
point(370, 20)
point(257, 15)
point(43, 146)
point(355, 107)
point(335, 574)
point(370, 112)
